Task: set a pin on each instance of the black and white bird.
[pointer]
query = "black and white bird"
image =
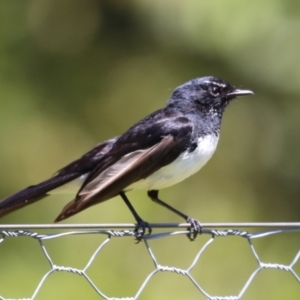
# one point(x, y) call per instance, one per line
point(159, 151)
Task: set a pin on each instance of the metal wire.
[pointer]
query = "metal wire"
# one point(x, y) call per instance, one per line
point(153, 225)
point(8, 231)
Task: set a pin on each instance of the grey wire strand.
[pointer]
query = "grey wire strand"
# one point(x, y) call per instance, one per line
point(153, 225)
point(9, 231)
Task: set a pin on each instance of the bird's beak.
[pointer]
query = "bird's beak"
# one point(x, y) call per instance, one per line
point(238, 92)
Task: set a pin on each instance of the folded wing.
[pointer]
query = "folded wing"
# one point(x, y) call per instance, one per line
point(107, 182)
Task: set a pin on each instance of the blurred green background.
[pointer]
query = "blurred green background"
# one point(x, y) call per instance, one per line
point(74, 73)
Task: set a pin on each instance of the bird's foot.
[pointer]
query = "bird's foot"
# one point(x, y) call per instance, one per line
point(140, 230)
point(194, 229)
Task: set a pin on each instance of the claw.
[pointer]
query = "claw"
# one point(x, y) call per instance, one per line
point(195, 229)
point(140, 230)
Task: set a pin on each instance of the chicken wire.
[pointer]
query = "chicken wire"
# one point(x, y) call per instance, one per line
point(110, 232)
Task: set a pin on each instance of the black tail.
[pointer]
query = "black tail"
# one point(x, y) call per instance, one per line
point(33, 193)
point(75, 169)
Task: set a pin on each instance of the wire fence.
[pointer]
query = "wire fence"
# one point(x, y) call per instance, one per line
point(110, 232)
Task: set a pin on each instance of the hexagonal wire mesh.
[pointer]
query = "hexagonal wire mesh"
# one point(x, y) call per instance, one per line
point(108, 231)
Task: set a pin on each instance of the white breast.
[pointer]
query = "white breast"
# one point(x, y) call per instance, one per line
point(187, 164)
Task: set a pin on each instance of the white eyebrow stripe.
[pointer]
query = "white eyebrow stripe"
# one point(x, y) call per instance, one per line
point(222, 85)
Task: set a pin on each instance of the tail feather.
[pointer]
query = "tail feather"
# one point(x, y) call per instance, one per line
point(33, 193)
point(75, 169)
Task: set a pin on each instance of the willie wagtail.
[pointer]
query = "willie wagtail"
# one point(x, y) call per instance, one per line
point(161, 150)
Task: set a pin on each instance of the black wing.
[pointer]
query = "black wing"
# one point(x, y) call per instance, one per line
point(72, 171)
point(137, 154)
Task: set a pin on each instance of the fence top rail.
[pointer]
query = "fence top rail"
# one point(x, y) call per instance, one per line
point(153, 225)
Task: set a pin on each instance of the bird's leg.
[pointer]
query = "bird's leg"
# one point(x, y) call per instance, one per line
point(141, 224)
point(195, 225)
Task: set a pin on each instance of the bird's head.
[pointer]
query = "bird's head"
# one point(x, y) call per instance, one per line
point(206, 92)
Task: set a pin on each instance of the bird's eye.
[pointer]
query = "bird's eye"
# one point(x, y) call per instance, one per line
point(214, 91)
